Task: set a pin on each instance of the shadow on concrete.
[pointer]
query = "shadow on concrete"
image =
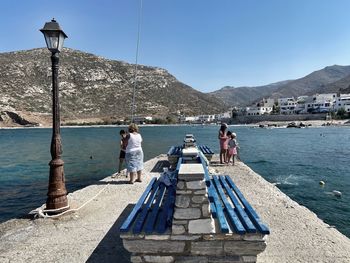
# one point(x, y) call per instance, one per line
point(111, 249)
point(158, 167)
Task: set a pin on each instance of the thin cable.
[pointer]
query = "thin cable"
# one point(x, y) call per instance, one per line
point(136, 63)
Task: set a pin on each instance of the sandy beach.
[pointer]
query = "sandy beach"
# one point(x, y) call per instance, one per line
point(92, 233)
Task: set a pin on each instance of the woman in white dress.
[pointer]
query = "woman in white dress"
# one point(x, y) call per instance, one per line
point(134, 154)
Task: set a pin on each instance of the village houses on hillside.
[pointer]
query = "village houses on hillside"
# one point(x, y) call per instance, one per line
point(318, 103)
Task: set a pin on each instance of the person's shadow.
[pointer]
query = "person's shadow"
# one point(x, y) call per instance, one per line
point(111, 249)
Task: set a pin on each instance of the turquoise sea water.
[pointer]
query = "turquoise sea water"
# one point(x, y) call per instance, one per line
point(294, 159)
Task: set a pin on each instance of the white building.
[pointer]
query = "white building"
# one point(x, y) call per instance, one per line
point(300, 106)
point(206, 118)
point(343, 101)
point(321, 103)
point(267, 102)
point(287, 105)
point(258, 110)
point(225, 115)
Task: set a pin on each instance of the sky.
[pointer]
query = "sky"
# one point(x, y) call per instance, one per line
point(205, 44)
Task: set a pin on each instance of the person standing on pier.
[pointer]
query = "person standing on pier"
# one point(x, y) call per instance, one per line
point(134, 154)
point(223, 139)
point(232, 148)
point(123, 144)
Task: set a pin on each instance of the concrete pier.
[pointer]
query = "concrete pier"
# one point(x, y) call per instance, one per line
point(92, 233)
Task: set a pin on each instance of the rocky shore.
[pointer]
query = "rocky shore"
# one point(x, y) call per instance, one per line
point(92, 233)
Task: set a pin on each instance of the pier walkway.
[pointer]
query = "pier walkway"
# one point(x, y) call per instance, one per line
point(92, 233)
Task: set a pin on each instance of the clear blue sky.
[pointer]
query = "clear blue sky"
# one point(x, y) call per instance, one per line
point(205, 44)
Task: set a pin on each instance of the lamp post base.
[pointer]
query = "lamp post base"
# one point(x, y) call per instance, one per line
point(57, 194)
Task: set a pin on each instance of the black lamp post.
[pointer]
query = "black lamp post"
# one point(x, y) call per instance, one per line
point(57, 193)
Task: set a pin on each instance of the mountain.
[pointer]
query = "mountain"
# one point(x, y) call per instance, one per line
point(321, 81)
point(342, 85)
point(243, 96)
point(94, 87)
point(314, 82)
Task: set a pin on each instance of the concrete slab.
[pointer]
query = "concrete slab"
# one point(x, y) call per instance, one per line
point(191, 172)
point(190, 151)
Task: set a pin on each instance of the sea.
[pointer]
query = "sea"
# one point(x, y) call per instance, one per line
point(295, 160)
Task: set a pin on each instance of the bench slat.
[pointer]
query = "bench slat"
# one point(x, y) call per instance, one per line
point(206, 172)
point(213, 209)
point(141, 219)
point(209, 150)
point(179, 162)
point(129, 220)
point(166, 214)
point(249, 209)
point(203, 149)
point(236, 223)
point(219, 211)
point(152, 217)
point(247, 223)
point(170, 152)
point(177, 150)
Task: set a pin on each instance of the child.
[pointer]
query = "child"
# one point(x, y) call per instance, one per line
point(232, 151)
point(123, 144)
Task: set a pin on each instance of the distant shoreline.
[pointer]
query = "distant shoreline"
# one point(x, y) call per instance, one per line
point(312, 123)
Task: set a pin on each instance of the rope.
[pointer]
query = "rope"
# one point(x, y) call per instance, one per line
point(136, 63)
point(42, 213)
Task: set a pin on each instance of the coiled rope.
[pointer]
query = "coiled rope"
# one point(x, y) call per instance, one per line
point(43, 213)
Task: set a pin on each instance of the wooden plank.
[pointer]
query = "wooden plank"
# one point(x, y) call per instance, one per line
point(219, 212)
point(236, 223)
point(209, 150)
point(141, 219)
point(247, 223)
point(203, 149)
point(206, 172)
point(178, 150)
point(179, 162)
point(166, 214)
point(249, 209)
point(130, 219)
point(213, 209)
point(152, 217)
point(171, 150)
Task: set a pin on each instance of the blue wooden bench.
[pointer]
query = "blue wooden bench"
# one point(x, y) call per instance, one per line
point(153, 213)
point(175, 150)
point(205, 149)
point(232, 210)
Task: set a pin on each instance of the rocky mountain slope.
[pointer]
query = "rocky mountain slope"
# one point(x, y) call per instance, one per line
point(242, 96)
point(329, 79)
point(94, 87)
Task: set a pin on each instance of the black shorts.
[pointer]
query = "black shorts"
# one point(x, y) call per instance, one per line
point(122, 155)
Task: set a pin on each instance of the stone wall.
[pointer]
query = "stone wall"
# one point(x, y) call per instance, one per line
point(195, 236)
point(294, 117)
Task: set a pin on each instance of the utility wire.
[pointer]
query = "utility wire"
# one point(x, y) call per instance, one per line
point(136, 63)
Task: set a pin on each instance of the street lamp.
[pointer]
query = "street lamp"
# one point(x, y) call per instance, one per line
point(57, 194)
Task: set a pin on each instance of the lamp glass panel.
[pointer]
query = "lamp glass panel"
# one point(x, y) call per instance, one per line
point(60, 42)
point(52, 40)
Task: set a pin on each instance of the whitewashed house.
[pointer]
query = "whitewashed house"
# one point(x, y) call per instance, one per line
point(258, 110)
point(225, 115)
point(287, 105)
point(321, 103)
point(343, 101)
point(206, 118)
